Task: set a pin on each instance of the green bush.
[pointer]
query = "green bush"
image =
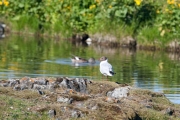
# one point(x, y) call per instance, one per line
point(83, 16)
point(168, 18)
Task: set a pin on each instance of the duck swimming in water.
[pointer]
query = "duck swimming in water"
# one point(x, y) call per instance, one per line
point(76, 59)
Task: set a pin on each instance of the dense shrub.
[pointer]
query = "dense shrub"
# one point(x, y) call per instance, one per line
point(81, 15)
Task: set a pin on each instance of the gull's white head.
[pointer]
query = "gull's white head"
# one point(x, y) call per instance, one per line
point(103, 58)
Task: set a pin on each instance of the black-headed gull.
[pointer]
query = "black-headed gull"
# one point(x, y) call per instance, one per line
point(105, 67)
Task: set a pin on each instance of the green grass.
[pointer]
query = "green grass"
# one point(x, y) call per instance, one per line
point(147, 35)
point(25, 23)
point(114, 28)
point(151, 36)
point(16, 108)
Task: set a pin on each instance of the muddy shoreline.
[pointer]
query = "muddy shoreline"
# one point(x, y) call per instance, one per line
point(79, 98)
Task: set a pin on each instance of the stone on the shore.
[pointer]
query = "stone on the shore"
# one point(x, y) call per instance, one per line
point(13, 82)
point(76, 114)
point(41, 81)
point(62, 99)
point(26, 81)
point(4, 83)
point(39, 87)
point(20, 87)
point(62, 83)
point(77, 84)
point(119, 92)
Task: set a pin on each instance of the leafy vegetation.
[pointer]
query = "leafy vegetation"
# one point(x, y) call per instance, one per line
point(67, 16)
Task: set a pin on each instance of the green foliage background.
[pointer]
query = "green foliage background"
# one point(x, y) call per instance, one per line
point(147, 20)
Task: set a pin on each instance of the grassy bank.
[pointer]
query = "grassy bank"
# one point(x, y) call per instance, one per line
point(95, 104)
point(15, 106)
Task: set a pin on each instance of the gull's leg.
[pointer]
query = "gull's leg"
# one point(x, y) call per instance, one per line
point(106, 77)
point(102, 77)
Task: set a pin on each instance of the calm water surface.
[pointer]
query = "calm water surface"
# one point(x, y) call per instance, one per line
point(36, 57)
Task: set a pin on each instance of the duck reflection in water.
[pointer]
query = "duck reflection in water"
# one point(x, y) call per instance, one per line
point(78, 60)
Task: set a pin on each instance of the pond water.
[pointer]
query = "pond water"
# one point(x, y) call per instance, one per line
point(37, 57)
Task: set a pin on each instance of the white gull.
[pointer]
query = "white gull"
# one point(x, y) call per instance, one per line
point(105, 67)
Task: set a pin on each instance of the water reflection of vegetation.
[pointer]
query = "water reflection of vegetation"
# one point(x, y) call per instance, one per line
point(26, 56)
point(149, 67)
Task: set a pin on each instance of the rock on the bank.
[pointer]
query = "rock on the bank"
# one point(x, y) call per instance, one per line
point(76, 84)
point(62, 99)
point(119, 92)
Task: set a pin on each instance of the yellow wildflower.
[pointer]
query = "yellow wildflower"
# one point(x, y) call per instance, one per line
point(179, 5)
point(110, 6)
point(1, 2)
point(92, 6)
point(98, 1)
point(157, 11)
point(6, 3)
point(138, 2)
point(171, 2)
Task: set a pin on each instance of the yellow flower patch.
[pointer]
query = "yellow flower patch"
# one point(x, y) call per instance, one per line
point(6, 3)
point(138, 2)
point(92, 7)
point(179, 5)
point(171, 2)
